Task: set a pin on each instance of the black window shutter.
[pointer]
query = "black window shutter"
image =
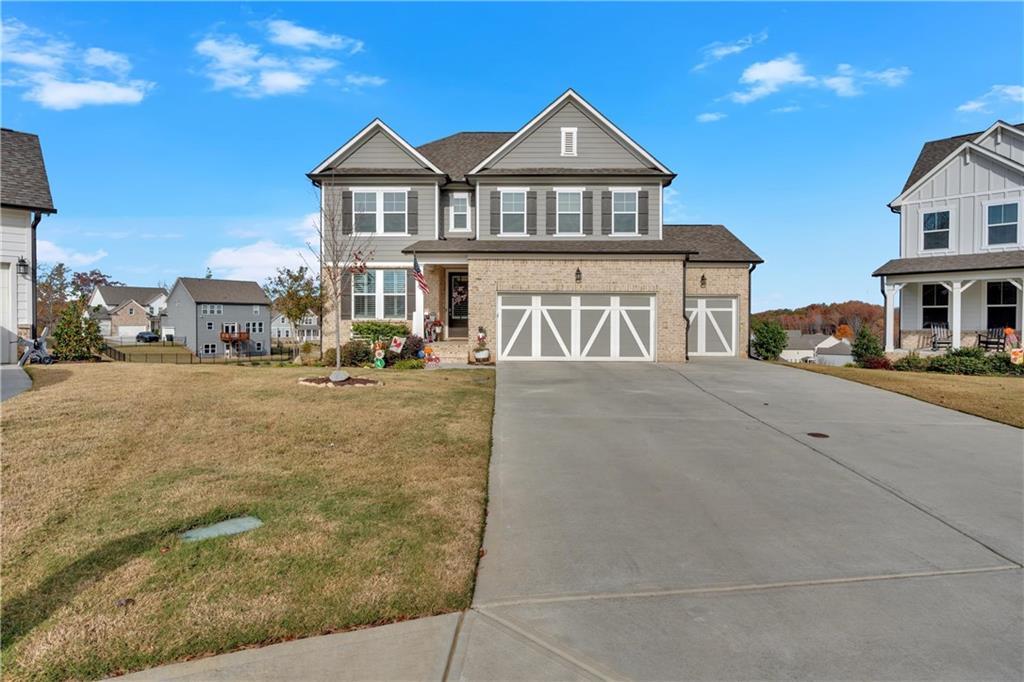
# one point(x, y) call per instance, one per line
point(531, 213)
point(346, 301)
point(495, 212)
point(412, 212)
point(346, 212)
point(606, 212)
point(642, 219)
point(550, 199)
point(588, 212)
point(410, 295)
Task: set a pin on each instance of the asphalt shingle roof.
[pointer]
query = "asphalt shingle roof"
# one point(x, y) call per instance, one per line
point(805, 341)
point(933, 152)
point(116, 295)
point(838, 349)
point(229, 291)
point(23, 181)
point(998, 260)
point(458, 154)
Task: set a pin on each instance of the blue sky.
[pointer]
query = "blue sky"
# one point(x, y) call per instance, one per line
point(177, 136)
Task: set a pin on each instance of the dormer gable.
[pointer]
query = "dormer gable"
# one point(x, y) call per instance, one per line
point(376, 149)
point(570, 134)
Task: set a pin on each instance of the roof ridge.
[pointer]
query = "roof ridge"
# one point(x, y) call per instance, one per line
point(467, 132)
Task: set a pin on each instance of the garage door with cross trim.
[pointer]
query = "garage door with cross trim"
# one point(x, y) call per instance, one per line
point(712, 326)
point(576, 327)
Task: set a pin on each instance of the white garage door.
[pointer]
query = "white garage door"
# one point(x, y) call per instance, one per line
point(712, 326)
point(129, 331)
point(576, 327)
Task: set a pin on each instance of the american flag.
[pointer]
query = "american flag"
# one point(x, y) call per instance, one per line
point(417, 274)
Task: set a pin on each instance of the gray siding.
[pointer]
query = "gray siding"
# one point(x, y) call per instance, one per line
point(377, 151)
point(654, 215)
point(964, 189)
point(181, 316)
point(239, 314)
point(596, 147)
point(388, 248)
point(446, 215)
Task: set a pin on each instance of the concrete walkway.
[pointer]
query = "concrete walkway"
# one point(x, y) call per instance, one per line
point(661, 522)
point(13, 380)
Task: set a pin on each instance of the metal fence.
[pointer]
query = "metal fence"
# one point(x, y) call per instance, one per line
point(186, 357)
point(130, 341)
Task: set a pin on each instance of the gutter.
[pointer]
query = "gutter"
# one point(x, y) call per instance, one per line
point(686, 318)
point(750, 277)
point(36, 217)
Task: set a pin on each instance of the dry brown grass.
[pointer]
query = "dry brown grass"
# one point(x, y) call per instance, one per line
point(995, 398)
point(373, 500)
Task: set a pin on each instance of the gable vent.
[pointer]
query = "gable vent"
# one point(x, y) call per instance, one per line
point(569, 142)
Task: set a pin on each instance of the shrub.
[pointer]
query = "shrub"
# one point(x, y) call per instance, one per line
point(409, 363)
point(379, 331)
point(413, 345)
point(76, 337)
point(354, 354)
point(866, 345)
point(970, 360)
point(876, 362)
point(999, 363)
point(910, 363)
point(306, 348)
point(769, 339)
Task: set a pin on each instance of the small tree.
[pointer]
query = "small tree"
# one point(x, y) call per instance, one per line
point(769, 339)
point(294, 293)
point(53, 291)
point(82, 283)
point(76, 337)
point(866, 345)
point(844, 332)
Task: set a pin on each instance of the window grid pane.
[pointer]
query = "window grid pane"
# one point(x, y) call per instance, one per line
point(394, 202)
point(459, 221)
point(569, 222)
point(394, 307)
point(394, 281)
point(569, 202)
point(624, 222)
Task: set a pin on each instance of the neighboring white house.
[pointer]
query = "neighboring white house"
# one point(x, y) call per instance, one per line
point(961, 259)
point(24, 198)
point(837, 355)
point(124, 311)
point(802, 347)
point(282, 330)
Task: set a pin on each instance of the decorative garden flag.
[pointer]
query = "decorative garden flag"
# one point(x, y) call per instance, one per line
point(397, 343)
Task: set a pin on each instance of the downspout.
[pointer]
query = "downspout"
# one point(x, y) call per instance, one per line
point(36, 217)
point(750, 276)
point(686, 318)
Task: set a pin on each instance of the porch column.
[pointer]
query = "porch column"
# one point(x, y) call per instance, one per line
point(890, 315)
point(954, 294)
point(417, 316)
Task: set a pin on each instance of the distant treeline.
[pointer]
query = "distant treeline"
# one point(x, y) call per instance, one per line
point(825, 318)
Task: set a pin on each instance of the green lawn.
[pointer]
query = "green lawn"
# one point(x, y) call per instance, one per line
point(372, 498)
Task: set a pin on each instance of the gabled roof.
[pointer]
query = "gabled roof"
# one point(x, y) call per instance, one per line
point(116, 295)
point(376, 125)
point(841, 348)
point(227, 291)
point(935, 152)
point(805, 341)
point(597, 116)
point(458, 153)
point(23, 181)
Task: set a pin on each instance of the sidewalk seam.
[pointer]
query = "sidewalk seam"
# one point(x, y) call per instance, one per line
point(451, 649)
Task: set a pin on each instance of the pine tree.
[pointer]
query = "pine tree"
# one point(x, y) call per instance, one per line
point(866, 345)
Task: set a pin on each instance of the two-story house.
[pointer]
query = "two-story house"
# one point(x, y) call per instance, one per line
point(306, 328)
point(551, 238)
point(219, 317)
point(24, 199)
point(124, 311)
point(961, 258)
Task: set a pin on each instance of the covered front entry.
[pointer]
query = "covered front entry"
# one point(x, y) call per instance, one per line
point(712, 326)
point(458, 305)
point(576, 326)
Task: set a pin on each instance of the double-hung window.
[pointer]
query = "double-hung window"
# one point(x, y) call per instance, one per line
point(209, 349)
point(378, 211)
point(1001, 226)
point(211, 309)
point(460, 212)
point(364, 295)
point(254, 327)
point(935, 230)
point(570, 212)
point(379, 294)
point(624, 212)
point(1002, 305)
point(934, 305)
point(513, 212)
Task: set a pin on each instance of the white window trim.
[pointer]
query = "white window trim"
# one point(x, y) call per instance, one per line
point(131, 310)
point(378, 296)
point(256, 310)
point(636, 213)
point(984, 225)
point(558, 213)
point(209, 325)
point(575, 142)
point(952, 231)
point(502, 191)
point(451, 213)
point(379, 210)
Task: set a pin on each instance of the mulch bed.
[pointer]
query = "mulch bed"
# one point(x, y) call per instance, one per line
point(326, 381)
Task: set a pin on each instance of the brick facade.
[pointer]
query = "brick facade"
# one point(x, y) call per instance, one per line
point(120, 318)
point(724, 280)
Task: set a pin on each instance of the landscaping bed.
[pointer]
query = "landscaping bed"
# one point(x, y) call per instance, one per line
point(372, 504)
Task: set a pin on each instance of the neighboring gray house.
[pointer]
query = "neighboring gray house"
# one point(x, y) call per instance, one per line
point(802, 347)
point(837, 355)
point(215, 317)
point(551, 238)
point(961, 259)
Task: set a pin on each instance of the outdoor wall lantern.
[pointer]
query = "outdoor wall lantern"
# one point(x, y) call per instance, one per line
point(579, 276)
point(703, 281)
point(22, 266)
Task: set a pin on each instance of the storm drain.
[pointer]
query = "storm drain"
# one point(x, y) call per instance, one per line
point(228, 527)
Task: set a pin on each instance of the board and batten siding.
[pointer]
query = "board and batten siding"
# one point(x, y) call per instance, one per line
point(963, 188)
point(377, 151)
point(541, 147)
point(541, 191)
point(15, 243)
point(973, 307)
point(388, 248)
point(1005, 144)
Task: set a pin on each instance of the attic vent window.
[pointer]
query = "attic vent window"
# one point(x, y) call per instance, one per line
point(568, 142)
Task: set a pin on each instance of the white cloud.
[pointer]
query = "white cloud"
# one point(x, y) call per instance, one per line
point(283, 32)
point(710, 117)
point(718, 51)
point(843, 86)
point(786, 110)
point(996, 95)
point(58, 75)
point(255, 261)
point(849, 82)
point(250, 69)
point(766, 78)
point(48, 252)
point(675, 211)
point(363, 80)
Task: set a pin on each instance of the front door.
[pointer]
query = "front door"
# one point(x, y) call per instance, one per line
point(458, 304)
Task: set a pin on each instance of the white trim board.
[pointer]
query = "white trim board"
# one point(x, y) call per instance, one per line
point(376, 124)
point(965, 147)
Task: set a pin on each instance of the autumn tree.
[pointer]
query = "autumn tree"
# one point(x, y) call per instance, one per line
point(83, 283)
point(294, 292)
point(53, 290)
point(844, 331)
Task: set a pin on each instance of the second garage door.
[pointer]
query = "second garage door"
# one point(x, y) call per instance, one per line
point(576, 327)
point(712, 326)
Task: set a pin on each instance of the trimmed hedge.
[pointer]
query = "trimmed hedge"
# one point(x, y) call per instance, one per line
point(969, 361)
point(379, 331)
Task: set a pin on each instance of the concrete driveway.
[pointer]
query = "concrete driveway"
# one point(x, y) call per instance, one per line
point(661, 522)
